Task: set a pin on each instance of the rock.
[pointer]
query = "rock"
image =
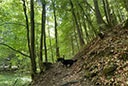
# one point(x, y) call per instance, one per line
point(64, 83)
point(74, 81)
point(110, 68)
point(70, 82)
point(89, 74)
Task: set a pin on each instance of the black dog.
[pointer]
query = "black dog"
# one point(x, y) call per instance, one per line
point(67, 63)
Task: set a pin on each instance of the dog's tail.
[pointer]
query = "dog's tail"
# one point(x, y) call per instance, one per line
point(75, 60)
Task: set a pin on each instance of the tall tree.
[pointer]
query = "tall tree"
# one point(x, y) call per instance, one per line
point(77, 25)
point(106, 11)
point(27, 25)
point(41, 41)
point(43, 25)
point(125, 4)
point(56, 32)
point(97, 13)
point(43, 36)
point(33, 57)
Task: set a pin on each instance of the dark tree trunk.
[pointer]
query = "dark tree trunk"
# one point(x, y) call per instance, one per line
point(56, 32)
point(27, 25)
point(41, 41)
point(108, 13)
point(33, 57)
point(44, 19)
point(77, 25)
point(43, 37)
point(126, 4)
point(105, 11)
point(97, 13)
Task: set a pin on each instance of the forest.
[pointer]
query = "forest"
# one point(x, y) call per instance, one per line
point(63, 42)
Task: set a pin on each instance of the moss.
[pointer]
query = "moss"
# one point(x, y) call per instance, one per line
point(109, 69)
point(89, 74)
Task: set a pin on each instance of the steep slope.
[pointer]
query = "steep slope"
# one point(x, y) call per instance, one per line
point(101, 62)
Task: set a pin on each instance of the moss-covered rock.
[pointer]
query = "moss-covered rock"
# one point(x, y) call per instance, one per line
point(89, 74)
point(110, 68)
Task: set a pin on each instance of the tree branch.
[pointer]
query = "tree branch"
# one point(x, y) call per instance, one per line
point(14, 49)
point(12, 23)
point(18, 23)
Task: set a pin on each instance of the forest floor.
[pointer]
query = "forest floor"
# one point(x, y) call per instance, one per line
point(103, 62)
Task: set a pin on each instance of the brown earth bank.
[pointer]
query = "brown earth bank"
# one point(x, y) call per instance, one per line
point(103, 62)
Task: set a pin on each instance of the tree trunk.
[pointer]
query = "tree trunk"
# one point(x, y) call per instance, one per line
point(108, 13)
point(41, 41)
point(77, 25)
point(27, 25)
point(44, 19)
point(126, 4)
point(105, 11)
point(33, 57)
point(56, 32)
point(97, 13)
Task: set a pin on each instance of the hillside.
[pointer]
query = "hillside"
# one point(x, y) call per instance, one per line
point(102, 62)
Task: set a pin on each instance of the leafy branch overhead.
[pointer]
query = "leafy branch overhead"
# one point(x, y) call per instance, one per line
point(14, 49)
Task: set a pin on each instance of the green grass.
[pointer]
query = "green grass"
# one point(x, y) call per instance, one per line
point(13, 79)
